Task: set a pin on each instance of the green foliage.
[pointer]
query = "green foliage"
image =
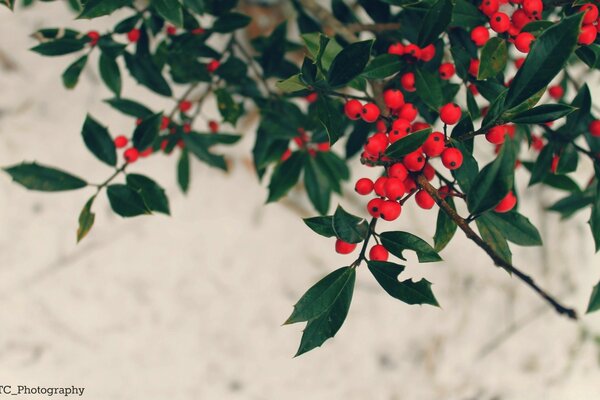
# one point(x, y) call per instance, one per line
point(46, 179)
point(98, 141)
point(397, 242)
point(493, 58)
point(348, 227)
point(407, 291)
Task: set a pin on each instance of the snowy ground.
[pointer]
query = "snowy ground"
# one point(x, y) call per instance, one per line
point(190, 307)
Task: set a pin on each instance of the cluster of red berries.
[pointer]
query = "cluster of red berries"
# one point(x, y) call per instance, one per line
point(304, 141)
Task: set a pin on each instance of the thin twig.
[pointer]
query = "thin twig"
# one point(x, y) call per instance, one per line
point(327, 19)
point(375, 28)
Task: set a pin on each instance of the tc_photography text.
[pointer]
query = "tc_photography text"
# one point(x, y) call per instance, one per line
point(39, 390)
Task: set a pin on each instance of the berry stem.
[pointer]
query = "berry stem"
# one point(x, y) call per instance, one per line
point(498, 260)
point(363, 250)
point(110, 178)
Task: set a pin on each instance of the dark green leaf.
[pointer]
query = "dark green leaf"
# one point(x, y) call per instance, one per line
point(595, 221)
point(516, 228)
point(407, 291)
point(228, 107)
point(146, 73)
point(98, 8)
point(407, 144)
point(383, 66)
point(86, 219)
point(147, 131)
point(126, 201)
point(493, 237)
point(183, 171)
point(230, 22)
point(169, 10)
point(493, 58)
point(200, 148)
point(594, 303)
point(349, 63)
point(542, 114)
point(435, 22)
point(348, 227)
point(71, 75)
point(110, 73)
point(466, 15)
point(429, 89)
point(98, 141)
point(329, 112)
point(321, 225)
point(154, 196)
point(59, 47)
point(541, 168)
point(357, 138)
point(46, 179)
point(445, 228)
point(317, 185)
point(396, 242)
point(129, 107)
point(547, 57)
point(285, 176)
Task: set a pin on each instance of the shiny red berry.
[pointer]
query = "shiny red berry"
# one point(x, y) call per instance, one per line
point(520, 18)
point(480, 35)
point(94, 36)
point(523, 42)
point(363, 186)
point(499, 22)
point(588, 35)
point(378, 253)
point(185, 106)
point(390, 210)
point(447, 70)
point(121, 141)
point(452, 158)
point(408, 112)
point(374, 207)
point(342, 247)
point(393, 98)
point(213, 126)
point(408, 82)
point(496, 134)
point(394, 188)
point(398, 170)
point(370, 112)
point(556, 92)
point(376, 144)
point(434, 145)
point(133, 35)
point(131, 155)
point(171, 30)
point(450, 113)
point(213, 66)
point(353, 109)
point(412, 50)
point(427, 53)
point(489, 7)
point(591, 13)
point(424, 200)
point(414, 161)
point(396, 48)
point(594, 128)
point(312, 97)
point(379, 186)
point(533, 8)
point(507, 203)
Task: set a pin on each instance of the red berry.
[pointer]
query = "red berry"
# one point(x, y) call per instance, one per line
point(480, 35)
point(587, 35)
point(312, 97)
point(452, 158)
point(380, 126)
point(370, 112)
point(428, 172)
point(473, 89)
point(213, 66)
point(324, 146)
point(187, 128)
point(474, 67)
point(523, 42)
point(131, 155)
point(412, 50)
point(393, 98)
point(374, 207)
point(353, 109)
point(376, 144)
point(450, 113)
point(556, 92)
point(419, 126)
point(150, 150)
point(379, 186)
point(594, 128)
point(507, 203)
point(364, 186)
point(133, 35)
point(427, 53)
point(390, 210)
point(121, 141)
point(398, 171)
point(554, 164)
point(489, 7)
point(94, 36)
point(342, 247)
point(499, 22)
point(434, 145)
point(286, 154)
point(414, 161)
point(171, 30)
point(198, 31)
point(396, 48)
point(496, 134)
point(400, 129)
point(164, 124)
point(394, 188)
point(185, 106)
point(410, 184)
point(537, 143)
point(519, 62)
point(408, 82)
point(533, 8)
point(378, 253)
point(446, 70)
point(519, 19)
point(408, 112)
point(591, 13)
point(424, 200)
point(213, 126)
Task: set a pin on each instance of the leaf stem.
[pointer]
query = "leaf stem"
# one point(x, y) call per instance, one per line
point(363, 250)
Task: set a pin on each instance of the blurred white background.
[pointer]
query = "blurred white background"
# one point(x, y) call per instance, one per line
point(191, 306)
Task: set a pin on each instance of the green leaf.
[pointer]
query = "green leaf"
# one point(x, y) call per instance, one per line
point(494, 181)
point(98, 8)
point(321, 225)
point(317, 185)
point(594, 304)
point(396, 242)
point(154, 196)
point(183, 171)
point(59, 47)
point(292, 84)
point(230, 110)
point(196, 6)
point(86, 219)
point(147, 131)
point(71, 75)
point(542, 114)
point(408, 291)
point(98, 141)
point(129, 107)
point(320, 297)
point(110, 73)
point(516, 228)
point(445, 228)
point(383, 66)
point(435, 22)
point(46, 179)
point(493, 58)
point(348, 227)
point(407, 144)
point(494, 238)
point(328, 301)
point(329, 113)
point(595, 221)
point(285, 176)
point(146, 73)
point(125, 201)
point(549, 54)
point(466, 15)
point(349, 63)
point(542, 165)
point(429, 89)
point(230, 22)
point(199, 147)
point(169, 10)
